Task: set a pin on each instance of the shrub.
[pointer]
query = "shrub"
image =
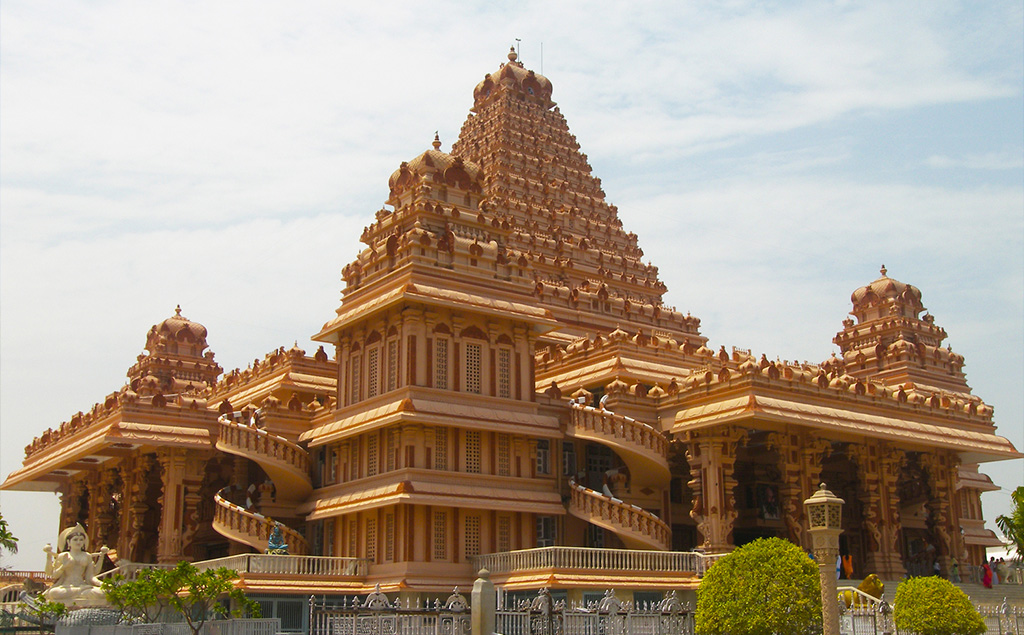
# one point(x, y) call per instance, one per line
point(766, 587)
point(933, 606)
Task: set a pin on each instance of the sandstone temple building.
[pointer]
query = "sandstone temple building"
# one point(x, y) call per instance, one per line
point(503, 387)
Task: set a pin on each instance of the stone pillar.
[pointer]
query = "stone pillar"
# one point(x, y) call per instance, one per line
point(482, 605)
point(791, 489)
point(107, 530)
point(71, 503)
point(943, 517)
point(890, 559)
point(195, 468)
point(172, 472)
point(133, 539)
point(712, 456)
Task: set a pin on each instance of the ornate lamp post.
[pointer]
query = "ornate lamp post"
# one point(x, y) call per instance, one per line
point(825, 515)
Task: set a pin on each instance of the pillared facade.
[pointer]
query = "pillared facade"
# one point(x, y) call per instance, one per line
point(503, 387)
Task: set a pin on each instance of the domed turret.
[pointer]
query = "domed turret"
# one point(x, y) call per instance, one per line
point(176, 359)
point(886, 296)
point(513, 78)
point(436, 167)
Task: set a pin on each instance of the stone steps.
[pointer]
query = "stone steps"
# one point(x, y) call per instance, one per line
point(1013, 593)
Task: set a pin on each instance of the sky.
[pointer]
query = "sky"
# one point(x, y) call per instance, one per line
point(771, 156)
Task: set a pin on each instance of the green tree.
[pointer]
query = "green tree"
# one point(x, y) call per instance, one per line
point(1012, 526)
point(766, 587)
point(44, 612)
point(933, 606)
point(7, 539)
point(184, 589)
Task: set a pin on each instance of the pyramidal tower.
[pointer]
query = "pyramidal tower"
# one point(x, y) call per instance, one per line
point(585, 267)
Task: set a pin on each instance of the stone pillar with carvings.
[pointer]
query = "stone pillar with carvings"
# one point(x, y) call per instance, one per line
point(890, 562)
point(943, 522)
point(137, 484)
point(712, 457)
point(71, 502)
point(104, 510)
point(172, 473)
point(791, 489)
point(879, 556)
point(192, 483)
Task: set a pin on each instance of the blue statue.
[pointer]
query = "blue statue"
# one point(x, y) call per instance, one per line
point(276, 544)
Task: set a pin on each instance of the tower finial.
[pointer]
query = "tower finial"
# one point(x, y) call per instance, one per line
point(883, 271)
point(512, 55)
point(177, 310)
point(437, 141)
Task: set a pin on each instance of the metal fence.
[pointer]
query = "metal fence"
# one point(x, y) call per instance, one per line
point(376, 615)
point(544, 616)
point(878, 620)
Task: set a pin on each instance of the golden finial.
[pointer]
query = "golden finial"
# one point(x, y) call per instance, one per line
point(437, 141)
point(512, 55)
point(883, 271)
point(177, 310)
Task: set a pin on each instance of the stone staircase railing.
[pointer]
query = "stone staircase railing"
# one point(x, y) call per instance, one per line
point(285, 462)
point(644, 449)
point(638, 528)
point(238, 524)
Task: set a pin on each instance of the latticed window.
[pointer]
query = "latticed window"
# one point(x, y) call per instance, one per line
point(441, 363)
point(473, 451)
point(504, 445)
point(353, 538)
point(389, 537)
point(504, 533)
point(473, 356)
point(472, 536)
point(371, 539)
point(392, 365)
point(545, 531)
point(372, 371)
point(371, 454)
point(440, 448)
point(392, 457)
point(440, 535)
point(504, 373)
point(543, 456)
point(328, 549)
point(353, 462)
point(354, 378)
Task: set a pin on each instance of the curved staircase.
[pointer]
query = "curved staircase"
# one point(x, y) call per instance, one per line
point(250, 528)
point(286, 464)
point(643, 449)
point(638, 528)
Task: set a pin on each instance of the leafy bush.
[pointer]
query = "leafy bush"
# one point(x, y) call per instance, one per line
point(766, 587)
point(933, 606)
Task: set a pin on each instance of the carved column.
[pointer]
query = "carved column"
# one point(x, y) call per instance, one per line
point(890, 560)
point(137, 485)
point(942, 517)
point(172, 473)
point(791, 488)
point(104, 510)
point(712, 456)
point(879, 555)
point(195, 467)
point(71, 503)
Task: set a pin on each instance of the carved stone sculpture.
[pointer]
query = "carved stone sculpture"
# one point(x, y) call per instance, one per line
point(74, 570)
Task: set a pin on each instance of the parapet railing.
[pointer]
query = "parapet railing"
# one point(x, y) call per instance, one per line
point(620, 517)
point(252, 528)
point(290, 565)
point(586, 558)
point(620, 427)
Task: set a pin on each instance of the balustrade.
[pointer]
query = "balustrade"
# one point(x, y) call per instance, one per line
point(587, 559)
point(255, 441)
point(627, 520)
point(254, 529)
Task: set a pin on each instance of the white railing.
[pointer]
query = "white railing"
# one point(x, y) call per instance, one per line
point(289, 565)
point(237, 523)
point(586, 558)
point(622, 518)
point(621, 428)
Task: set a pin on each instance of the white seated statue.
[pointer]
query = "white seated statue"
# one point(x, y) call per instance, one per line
point(74, 570)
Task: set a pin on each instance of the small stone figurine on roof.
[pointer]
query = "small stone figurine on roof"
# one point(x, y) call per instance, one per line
point(276, 544)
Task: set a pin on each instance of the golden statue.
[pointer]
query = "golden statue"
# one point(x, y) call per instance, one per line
point(73, 570)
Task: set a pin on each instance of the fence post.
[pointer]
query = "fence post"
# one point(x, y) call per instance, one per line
point(482, 605)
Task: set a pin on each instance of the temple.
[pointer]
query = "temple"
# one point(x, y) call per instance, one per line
point(503, 387)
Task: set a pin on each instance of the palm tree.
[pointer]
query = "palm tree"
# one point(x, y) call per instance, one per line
point(7, 539)
point(1012, 526)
